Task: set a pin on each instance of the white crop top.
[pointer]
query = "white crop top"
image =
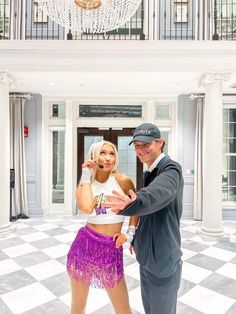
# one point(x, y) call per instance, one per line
point(102, 214)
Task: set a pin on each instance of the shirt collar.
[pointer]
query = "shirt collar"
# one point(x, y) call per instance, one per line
point(155, 163)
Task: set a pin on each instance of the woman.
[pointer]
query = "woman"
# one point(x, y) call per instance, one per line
point(96, 256)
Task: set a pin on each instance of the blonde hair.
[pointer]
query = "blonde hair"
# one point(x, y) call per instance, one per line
point(94, 152)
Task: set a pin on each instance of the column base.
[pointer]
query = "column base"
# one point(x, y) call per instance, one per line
point(6, 229)
point(212, 232)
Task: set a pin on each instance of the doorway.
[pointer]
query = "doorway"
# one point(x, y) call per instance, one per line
point(128, 162)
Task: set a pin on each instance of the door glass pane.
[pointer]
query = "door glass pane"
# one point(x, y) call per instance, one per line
point(165, 136)
point(58, 158)
point(127, 157)
point(88, 141)
point(229, 155)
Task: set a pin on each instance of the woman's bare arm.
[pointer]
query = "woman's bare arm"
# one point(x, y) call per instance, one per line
point(84, 197)
point(84, 194)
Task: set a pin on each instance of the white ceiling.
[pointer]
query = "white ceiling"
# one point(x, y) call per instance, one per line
point(115, 68)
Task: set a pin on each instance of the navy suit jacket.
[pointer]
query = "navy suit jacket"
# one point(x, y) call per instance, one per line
point(159, 205)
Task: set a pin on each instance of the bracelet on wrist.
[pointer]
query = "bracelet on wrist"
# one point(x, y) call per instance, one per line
point(86, 175)
point(130, 233)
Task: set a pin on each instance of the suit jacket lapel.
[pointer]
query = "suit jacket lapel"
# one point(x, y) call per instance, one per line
point(149, 176)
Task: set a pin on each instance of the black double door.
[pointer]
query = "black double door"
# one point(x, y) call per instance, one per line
point(128, 163)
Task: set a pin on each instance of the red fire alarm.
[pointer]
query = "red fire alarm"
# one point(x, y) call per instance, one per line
point(26, 131)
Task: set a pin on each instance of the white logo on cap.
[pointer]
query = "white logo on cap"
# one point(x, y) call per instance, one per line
point(144, 132)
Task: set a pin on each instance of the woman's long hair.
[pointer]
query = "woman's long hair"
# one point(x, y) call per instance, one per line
point(94, 152)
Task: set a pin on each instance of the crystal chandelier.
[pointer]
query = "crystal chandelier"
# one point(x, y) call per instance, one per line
point(90, 16)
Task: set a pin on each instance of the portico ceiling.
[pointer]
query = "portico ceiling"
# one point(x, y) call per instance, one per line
point(115, 68)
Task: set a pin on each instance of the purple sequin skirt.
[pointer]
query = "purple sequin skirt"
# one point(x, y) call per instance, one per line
point(94, 259)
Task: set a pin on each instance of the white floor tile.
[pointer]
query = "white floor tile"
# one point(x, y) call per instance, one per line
point(199, 239)
point(19, 250)
point(28, 297)
point(45, 270)
point(188, 222)
point(66, 237)
point(21, 225)
point(73, 227)
point(9, 236)
point(53, 220)
point(194, 273)
point(229, 231)
point(192, 229)
point(228, 270)
point(206, 300)
point(97, 298)
point(36, 236)
point(66, 298)
point(136, 301)
point(57, 250)
point(8, 266)
point(133, 271)
point(233, 238)
point(218, 253)
point(45, 227)
point(187, 254)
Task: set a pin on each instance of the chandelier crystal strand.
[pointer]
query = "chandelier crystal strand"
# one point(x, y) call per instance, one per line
point(90, 16)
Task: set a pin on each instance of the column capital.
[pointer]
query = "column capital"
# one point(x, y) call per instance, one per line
point(211, 77)
point(6, 77)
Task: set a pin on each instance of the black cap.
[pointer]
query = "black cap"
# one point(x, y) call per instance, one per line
point(146, 133)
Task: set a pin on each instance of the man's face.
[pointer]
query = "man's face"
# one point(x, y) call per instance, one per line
point(148, 152)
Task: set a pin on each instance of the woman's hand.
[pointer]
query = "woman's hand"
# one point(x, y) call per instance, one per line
point(120, 239)
point(89, 164)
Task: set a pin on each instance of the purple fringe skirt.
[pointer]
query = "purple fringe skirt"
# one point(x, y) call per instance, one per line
point(94, 259)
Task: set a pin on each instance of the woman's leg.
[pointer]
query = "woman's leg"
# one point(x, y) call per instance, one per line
point(79, 295)
point(119, 298)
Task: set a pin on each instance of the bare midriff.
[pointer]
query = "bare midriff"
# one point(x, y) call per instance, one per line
point(106, 229)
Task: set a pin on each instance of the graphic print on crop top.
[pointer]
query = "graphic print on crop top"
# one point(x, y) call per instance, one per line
point(100, 209)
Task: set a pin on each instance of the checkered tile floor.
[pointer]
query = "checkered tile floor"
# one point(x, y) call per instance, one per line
point(33, 279)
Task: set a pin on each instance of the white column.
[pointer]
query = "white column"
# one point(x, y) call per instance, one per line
point(149, 20)
point(68, 183)
point(212, 155)
point(17, 28)
point(199, 20)
point(5, 225)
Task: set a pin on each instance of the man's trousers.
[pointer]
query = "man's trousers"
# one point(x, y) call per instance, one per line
point(159, 295)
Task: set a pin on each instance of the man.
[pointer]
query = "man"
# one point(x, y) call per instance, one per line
point(159, 204)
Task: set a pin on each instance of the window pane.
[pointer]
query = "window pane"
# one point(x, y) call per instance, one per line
point(127, 157)
point(229, 194)
point(162, 112)
point(58, 153)
point(229, 156)
point(58, 110)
